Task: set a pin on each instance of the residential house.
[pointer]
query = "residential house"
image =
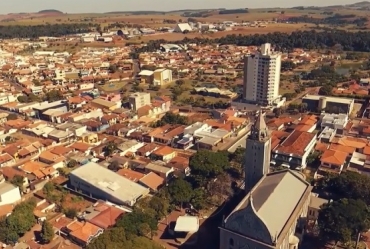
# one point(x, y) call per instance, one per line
point(359, 163)
point(10, 172)
point(6, 160)
point(89, 138)
point(147, 149)
point(110, 119)
point(332, 161)
point(81, 147)
point(103, 214)
point(122, 161)
point(307, 123)
point(337, 122)
point(29, 151)
point(104, 104)
point(130, 174)
point(163, 153)
point(50, 158)
point(82, 233)
point(129, 146)
point(180, 165)
point(152, 181)
point(166, 134)
point(94, 125)
point(162, 171)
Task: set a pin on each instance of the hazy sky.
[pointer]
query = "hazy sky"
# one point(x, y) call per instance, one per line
point(88, 6)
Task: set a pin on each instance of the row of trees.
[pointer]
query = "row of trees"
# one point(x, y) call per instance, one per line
point(171, 118)
point(22, 31)
point(336, 19)
point(349, 41)
point(50, 96)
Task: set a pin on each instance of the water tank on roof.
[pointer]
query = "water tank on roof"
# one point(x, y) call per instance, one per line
point(322, 103)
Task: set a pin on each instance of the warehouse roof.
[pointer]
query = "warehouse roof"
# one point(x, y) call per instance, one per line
point(110, 182)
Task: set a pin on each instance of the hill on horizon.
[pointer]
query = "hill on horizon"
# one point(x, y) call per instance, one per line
point(359, 3)
point(50, 11)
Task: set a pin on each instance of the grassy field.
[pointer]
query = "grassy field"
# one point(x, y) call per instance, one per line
point(112, 87)
point(156, 20)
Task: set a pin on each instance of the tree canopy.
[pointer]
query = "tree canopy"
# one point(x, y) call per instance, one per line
point(115, 238)
point(350, 185)
point(18, 222)
point(342, 220)
point(47, 232)
point(209, 164)
point(35, 31)
point(349, 41)
point(171, 118)
point(180, 191)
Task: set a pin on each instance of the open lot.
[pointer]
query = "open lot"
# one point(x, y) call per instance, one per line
point(113, 86)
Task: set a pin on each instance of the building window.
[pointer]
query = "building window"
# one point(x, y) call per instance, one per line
point(231, 242)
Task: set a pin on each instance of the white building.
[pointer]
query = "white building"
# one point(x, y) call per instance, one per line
point(182, 27)
point(262, 76)
point(9, 193)
point(102, 183)
point(334, 121)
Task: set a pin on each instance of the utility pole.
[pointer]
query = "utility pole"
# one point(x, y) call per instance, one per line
point(358, 240)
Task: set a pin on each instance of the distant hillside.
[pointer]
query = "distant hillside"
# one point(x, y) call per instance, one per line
point(51, 11)
point(359, 4)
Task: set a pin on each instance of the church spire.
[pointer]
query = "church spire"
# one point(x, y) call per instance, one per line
point(259, 129)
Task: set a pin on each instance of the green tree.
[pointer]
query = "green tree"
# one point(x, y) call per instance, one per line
point(180, 191)
point(326, 90)
point(23, 99)
point(132, 222)
point(17, 180)
point(53, 95)
point(18, 223)
point(198, 199)
point(114, 166)
point(350, 185)
point(12, 116)
point(209, 164)
point(110, 148)
point(47, 232)
point(49, 188)
point(343, 220)
point(160, 206)
point(70, 213)
point(72, 163)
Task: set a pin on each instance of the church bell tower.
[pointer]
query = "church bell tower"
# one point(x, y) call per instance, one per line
point(257, 154)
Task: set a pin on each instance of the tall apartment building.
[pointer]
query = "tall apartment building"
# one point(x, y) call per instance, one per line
point(138, 100)
point(262, 76)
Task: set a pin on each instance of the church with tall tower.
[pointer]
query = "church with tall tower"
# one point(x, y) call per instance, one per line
point(258, 152)
point(275, 205)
